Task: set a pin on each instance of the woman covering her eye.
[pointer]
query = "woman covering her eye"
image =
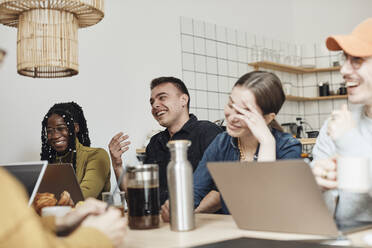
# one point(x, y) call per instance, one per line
point(252, 133)
point(65, 139)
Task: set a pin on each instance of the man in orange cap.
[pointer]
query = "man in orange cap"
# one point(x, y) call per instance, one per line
point(348, 133)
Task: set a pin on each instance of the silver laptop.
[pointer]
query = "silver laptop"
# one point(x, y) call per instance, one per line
point(280, 196)
point(61, 177)
point(30, 174)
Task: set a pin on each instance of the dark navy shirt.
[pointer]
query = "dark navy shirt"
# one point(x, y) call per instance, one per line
point(200, 133)
point(225, 148)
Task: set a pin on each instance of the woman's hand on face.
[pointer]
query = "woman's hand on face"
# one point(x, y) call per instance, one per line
point(341, 122)
point(325, 172)
point(117, 146)
point(255, 122)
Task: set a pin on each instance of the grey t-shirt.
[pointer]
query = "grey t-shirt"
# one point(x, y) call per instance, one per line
point(355, 143)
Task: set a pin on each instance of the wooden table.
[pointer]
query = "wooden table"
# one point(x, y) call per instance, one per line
point(209, 228)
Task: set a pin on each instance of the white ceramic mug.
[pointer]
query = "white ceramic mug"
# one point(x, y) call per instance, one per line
point(58, 211)
point(353, 174)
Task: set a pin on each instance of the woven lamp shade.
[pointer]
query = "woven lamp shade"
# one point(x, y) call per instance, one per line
point(47, 40)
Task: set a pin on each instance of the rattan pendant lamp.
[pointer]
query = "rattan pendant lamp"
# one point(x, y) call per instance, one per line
point(47, 39)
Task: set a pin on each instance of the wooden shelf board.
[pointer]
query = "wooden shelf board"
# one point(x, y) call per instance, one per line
point(326, 69)
point(289, 68)
point(308, 141)
point(319, 98)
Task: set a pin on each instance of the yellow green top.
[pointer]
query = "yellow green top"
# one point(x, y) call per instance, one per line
point(92, 169)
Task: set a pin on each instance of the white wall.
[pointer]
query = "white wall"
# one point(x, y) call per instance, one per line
point(139, 40)
point(315, 20)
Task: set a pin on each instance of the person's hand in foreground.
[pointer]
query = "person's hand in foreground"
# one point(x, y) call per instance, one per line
point(165, 211)
point(325, 172)
point(110, 223)
point(72, 219)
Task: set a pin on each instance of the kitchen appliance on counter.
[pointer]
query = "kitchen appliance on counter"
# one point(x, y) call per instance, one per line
point(290, 127)
point(300, 129)
point(294, 128)
point(297, 129)
point(312, 134)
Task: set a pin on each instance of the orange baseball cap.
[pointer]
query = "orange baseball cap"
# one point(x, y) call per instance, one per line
point(358, 43)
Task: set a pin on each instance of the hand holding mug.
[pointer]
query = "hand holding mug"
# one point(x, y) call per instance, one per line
point(325, 172)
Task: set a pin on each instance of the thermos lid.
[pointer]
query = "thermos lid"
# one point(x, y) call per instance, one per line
point(178, 143)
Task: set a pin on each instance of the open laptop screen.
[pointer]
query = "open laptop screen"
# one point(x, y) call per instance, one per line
point(279, 196)
point(29, 174)
point(59, 178)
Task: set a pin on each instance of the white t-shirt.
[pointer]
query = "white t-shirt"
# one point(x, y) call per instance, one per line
point(355, 143)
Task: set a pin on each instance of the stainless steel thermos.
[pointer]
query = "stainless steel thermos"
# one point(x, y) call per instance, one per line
point(180, 187)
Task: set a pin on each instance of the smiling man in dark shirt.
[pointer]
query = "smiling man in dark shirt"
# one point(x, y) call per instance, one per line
point(170, 101)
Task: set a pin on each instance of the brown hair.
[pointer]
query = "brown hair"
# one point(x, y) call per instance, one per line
point(268, 91)
point(2, 55)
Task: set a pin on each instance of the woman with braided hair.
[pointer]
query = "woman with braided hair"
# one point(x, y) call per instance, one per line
point(65, 139)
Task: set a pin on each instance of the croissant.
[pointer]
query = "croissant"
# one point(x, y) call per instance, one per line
point(65, 199)
point(44, 200)
point(42, 195)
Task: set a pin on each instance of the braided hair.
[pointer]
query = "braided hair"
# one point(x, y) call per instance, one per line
point(71, 113)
